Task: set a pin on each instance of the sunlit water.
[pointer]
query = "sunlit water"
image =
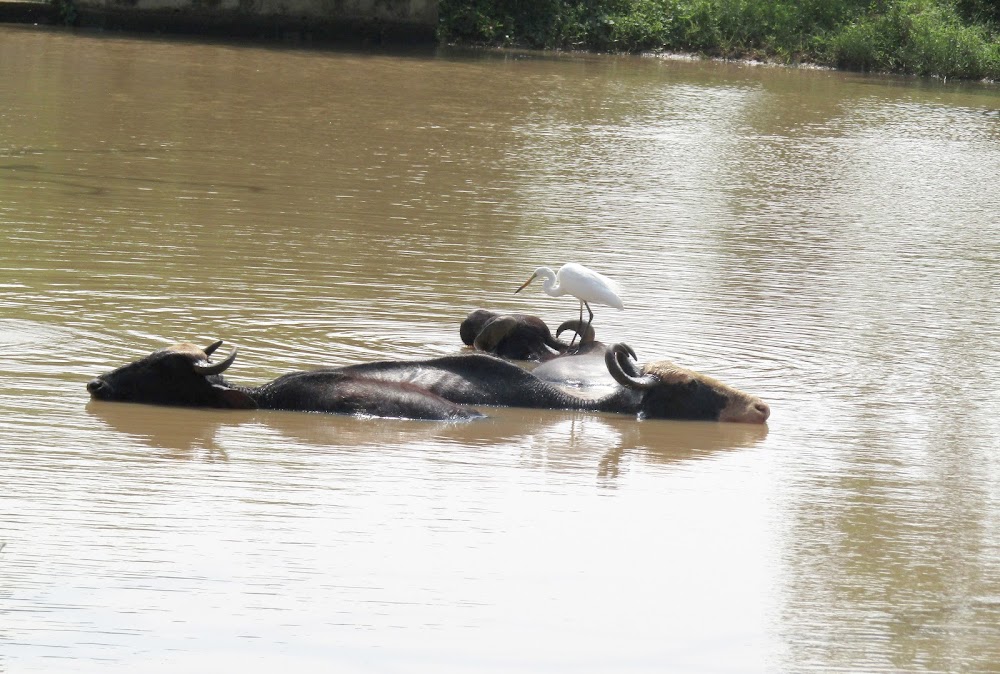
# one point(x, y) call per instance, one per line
point(826, 241)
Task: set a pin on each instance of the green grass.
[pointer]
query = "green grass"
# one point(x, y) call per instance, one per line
point(944, 38)
point(917, 36)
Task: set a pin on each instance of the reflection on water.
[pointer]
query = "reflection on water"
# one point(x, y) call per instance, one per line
point(823, 240)
point(557, 438)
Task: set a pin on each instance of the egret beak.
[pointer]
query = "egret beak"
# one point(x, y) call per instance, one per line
point(533, 277)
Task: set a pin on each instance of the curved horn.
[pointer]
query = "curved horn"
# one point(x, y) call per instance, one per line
point(493, 332)
point(629, 365)
point(616, 359)
point(576, 325)
point(206, 369)
point(212, 347)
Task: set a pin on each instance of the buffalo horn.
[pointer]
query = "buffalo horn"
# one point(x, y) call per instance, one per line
point(616, 359)
point(206, 369)
point(212, 347)
point(576, 326)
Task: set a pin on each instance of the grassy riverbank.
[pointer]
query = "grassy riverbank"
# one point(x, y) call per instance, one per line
point(944, 38)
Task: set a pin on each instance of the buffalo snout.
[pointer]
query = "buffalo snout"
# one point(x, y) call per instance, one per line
point(745, 408)
point(98, 387)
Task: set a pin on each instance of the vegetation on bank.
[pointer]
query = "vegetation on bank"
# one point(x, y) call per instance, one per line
point(944, 38)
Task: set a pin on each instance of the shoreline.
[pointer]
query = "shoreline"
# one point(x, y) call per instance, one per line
point(304, 30)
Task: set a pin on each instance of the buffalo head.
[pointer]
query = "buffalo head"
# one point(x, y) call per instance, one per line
point(178, 375)
point(514, 336)
point(669, 391)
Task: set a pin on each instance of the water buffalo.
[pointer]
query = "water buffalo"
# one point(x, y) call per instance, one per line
point(513, 336)
point(182, 375)
point(436, 388)
point(660, 390)
point(666, 390)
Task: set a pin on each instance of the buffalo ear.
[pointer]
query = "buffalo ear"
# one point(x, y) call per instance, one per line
point(493, 332)
point(234, 399)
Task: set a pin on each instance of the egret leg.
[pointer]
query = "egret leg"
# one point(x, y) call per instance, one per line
point(576, 333)
point(589, 320)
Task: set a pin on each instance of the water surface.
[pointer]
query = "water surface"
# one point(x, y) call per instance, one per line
point(827, 241)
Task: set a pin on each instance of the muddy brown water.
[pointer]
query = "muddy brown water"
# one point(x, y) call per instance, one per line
point(827, 241)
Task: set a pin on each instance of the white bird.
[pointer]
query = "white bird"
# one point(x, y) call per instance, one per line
point(582, 283)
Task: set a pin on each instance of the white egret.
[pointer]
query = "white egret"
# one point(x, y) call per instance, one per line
point(582, 283)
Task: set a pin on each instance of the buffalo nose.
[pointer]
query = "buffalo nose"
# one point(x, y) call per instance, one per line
point(95, 385)
point(764, 410)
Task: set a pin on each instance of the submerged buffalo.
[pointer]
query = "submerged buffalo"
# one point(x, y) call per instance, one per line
point(659, 390)
point(436, 388)
point(182, 375)
point(513, 336)
point(524, 337)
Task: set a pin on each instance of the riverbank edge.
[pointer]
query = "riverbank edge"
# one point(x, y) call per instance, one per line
point(301, 29)
point(216, 23)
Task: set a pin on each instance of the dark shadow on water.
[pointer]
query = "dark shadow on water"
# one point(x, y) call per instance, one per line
point(180, 431)
point(682, 441)
point(374, 38)
point(32, 174)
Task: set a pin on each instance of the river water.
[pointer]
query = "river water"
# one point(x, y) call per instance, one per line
point(827, 241)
